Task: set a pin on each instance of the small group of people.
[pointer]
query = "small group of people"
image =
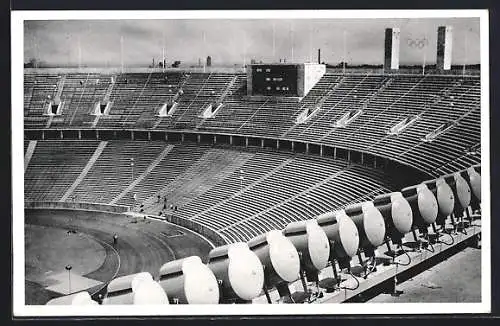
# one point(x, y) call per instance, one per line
point(172, 207)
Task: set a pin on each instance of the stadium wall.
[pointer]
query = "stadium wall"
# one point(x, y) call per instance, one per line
point(76, 206)
point(407, 174)
point(212, 235)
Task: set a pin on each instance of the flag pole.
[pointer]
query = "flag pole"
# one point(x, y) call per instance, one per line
point(244, 51)
point(465, 59)
point(293, 40)
point(204, 52)
point(274, 42)
point(344, 59)
point(121, 52)
point(163, 52)
point(35, 42)
point(425, 54)
point(79, 53)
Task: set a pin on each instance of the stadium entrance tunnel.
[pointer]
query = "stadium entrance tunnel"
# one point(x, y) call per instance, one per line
point(221, 139)
point(342, 154)
point(52, 134)
point(174, 137)
point(157, 135)
point(141, 135)
point(314, 149)
point(253, 142)
point(190, 138)
point(206, 139)
point(269, 143)
point(238, 141)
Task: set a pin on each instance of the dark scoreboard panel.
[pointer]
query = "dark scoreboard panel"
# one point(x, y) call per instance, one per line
point(275, 80)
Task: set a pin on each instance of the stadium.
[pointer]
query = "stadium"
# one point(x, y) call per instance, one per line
point(273, 182)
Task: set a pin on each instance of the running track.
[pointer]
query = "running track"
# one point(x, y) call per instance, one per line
point(143, 245)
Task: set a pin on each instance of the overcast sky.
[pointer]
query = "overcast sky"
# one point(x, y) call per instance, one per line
point(230, 41)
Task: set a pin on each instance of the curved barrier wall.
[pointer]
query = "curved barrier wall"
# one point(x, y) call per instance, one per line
point(76, 206)
point(207, 232)
point(212, 235)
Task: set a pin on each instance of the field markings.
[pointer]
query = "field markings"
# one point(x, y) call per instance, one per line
point(117, 255)
point(158, 218)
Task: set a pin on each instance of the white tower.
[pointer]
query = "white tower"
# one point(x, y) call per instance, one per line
point(444, 47)
point(391, 54)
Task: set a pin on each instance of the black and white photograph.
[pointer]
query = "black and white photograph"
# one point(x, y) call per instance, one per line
point(250, 162)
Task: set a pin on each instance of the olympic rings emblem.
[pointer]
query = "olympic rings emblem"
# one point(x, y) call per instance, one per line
point(417, 43)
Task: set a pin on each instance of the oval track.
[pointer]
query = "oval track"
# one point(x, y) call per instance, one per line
point(143, 245)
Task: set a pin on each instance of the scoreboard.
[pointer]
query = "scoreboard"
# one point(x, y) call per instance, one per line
point(280, 80)
point(283, 80)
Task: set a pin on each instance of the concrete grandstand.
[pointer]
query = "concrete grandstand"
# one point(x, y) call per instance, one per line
point(339, 195)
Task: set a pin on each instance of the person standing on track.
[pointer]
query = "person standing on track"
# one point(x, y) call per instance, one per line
point(115, 239)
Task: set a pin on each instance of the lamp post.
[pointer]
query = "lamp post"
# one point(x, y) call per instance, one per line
point(132, 167)
point(465, 59)
point(132, 181)
point(68, 268)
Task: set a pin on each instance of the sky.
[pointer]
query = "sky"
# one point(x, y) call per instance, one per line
point(228, 42)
